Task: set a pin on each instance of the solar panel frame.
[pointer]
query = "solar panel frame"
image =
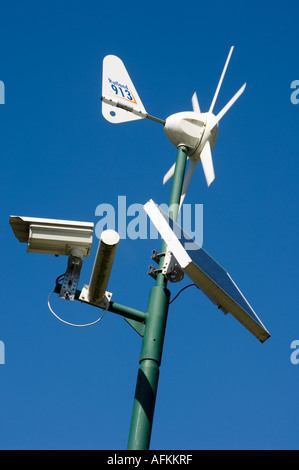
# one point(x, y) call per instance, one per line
point(213, 280)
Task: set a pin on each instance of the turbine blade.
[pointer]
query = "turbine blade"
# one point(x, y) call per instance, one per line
point(169, 174)
point(189, 174)
point(207, 163)
point(195, 103)
point(229, 105)
point(221, 80)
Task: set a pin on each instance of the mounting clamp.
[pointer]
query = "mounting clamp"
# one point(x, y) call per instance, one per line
point(71, 277)
point(170, 269)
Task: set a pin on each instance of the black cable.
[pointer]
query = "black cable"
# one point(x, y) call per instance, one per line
point(59, 279)
point(186, 287)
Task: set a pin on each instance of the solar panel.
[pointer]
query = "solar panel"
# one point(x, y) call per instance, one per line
point(213, 280)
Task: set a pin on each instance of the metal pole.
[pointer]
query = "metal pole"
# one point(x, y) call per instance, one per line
point(155, 324)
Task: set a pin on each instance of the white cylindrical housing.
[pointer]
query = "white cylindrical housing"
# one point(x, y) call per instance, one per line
point(185, 128)
point(102, 266)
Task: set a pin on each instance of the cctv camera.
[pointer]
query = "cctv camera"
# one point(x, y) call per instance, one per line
point(52, 236)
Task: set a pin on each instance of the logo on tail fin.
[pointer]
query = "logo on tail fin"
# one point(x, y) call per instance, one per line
point(121, 91)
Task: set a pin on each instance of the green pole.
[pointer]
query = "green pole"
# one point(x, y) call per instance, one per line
point(153, 339)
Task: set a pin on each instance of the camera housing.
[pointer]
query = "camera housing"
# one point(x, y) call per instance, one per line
point(53, 236)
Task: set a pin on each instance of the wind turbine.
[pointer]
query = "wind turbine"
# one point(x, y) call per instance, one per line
point(196, 130)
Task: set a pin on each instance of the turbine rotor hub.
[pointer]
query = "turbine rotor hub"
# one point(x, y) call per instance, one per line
point(186, 128)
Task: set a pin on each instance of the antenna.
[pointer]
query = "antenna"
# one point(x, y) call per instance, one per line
point(96, 293)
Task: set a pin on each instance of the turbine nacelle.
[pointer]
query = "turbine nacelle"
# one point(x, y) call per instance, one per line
point(193, 130)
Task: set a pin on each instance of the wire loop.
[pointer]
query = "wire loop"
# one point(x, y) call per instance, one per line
point(73, 324)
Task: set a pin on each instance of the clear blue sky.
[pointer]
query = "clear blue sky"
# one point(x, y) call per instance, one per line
point(73, 388)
